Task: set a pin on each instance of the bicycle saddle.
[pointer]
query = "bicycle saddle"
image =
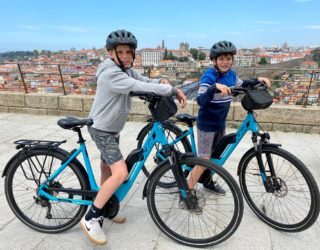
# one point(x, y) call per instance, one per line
point(186, 118)
point(72, 122)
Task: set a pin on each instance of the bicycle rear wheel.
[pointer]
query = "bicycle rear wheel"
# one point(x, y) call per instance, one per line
point(290, 200)
point(25, 175)
point(215, 221)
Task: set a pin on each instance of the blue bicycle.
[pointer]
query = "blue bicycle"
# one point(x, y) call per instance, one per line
point(277, 186)
point(49, 189)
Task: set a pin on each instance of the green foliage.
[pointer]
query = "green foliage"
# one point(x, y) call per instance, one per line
point(194, 52)
point(165, 56)
point(95, 61)
point(263, 61)
point(316, 55)
point(183, 59)
point(18, 55)
point(172, 57)
point(202, 56)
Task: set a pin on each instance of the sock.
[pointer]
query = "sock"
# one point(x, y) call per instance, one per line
point(93, 212)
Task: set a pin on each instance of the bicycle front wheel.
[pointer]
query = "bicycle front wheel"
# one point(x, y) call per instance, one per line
point(289, 200)
point(216, 218)
point(25, 175)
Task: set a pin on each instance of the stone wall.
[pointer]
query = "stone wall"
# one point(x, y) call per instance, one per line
point(277, 117)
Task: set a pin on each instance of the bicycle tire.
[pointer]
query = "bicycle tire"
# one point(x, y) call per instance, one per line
point(291, 207)
point(172, 131)
point(216, 223)
point(22, 180)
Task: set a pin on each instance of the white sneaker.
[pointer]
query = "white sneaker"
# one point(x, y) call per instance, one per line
point(93, 229)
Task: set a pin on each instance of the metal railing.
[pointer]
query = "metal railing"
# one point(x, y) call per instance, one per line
point(66, 79)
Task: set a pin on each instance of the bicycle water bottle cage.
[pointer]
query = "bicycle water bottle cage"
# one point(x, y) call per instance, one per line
point(36, 143)
point(225, 141)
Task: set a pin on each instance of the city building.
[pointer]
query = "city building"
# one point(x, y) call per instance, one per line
point(151, 57)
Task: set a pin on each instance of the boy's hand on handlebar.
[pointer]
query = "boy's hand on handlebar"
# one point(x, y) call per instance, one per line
point(265, 81)
point(223, 89)
point(181, 98)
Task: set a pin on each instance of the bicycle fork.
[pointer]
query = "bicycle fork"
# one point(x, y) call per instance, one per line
point(182, 183)
point(267, 180)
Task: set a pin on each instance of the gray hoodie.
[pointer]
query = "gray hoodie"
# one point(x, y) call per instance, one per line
point(111, 105)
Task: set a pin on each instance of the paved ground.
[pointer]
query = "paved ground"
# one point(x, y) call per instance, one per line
point(139, 232)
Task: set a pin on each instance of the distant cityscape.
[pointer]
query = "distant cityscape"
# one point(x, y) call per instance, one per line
point(294, 72)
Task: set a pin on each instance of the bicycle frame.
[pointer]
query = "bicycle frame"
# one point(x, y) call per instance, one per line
point(156, 136)
point(249, 124)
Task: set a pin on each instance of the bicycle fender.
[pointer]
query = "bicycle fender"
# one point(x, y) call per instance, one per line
point(251, 150)
point(145, 188)
point(146, 127)
point(13, 158)
point(62, 151)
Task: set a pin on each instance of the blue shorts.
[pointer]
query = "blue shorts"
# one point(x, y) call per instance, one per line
point(108, 145)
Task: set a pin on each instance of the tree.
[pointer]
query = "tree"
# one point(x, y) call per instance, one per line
point(316, 54)
point(202, 56)
point(183, 59)
point(263, 61)
point(171, 56)
point(194, 52)
point(165, 56)
point(35, 53)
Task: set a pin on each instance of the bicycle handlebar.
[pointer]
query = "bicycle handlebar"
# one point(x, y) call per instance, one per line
point(147, 96)
point(242, 90)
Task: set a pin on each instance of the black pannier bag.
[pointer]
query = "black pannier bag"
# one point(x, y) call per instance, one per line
point(165, 108)
point(256, 99)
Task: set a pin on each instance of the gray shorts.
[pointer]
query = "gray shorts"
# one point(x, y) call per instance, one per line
point(108, 145)
point(208, 141)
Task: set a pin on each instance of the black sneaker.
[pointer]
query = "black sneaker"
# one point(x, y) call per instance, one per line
point(214, 187)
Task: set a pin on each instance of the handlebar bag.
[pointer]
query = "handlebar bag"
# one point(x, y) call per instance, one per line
point(256, 99)
point(165, 108)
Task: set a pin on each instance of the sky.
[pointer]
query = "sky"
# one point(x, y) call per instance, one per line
point(65, 24)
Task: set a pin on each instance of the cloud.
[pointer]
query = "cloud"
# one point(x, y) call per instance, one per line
point(313, 27)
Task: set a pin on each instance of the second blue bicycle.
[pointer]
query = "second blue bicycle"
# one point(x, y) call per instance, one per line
point(278, 187)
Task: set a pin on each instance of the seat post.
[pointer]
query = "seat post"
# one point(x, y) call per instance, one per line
point(78, 130)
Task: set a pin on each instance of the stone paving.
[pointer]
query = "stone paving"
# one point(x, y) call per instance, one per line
point(139, 232)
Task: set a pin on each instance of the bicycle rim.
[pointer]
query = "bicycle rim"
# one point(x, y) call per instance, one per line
point(22, 181)
point(293, 205)
point(220, 215)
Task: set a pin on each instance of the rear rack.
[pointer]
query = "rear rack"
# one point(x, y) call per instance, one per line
point(32, 143)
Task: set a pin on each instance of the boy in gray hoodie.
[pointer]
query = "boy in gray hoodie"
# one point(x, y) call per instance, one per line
point(109, 113)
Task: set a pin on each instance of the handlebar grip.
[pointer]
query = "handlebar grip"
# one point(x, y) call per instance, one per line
point(138, 93)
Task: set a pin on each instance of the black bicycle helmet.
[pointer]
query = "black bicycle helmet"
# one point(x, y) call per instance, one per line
point(222, 47)
point(121, 37)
